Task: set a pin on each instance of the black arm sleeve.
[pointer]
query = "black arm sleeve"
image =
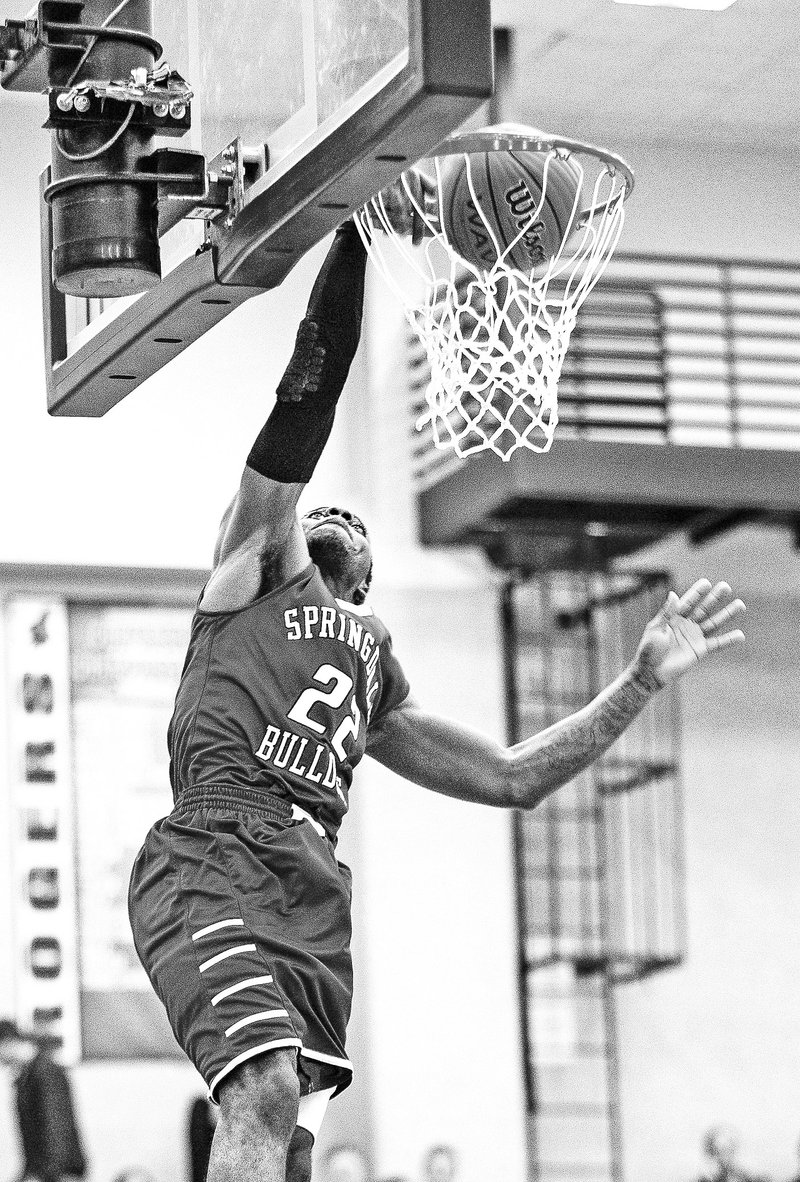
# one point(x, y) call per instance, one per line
point(293, 437)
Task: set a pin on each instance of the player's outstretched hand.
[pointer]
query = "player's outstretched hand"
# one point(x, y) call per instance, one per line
point(687, 629)
point(405, 201)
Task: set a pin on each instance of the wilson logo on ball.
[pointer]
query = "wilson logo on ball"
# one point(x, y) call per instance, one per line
point(522, 205)
point(481, 242)
point(507, 209)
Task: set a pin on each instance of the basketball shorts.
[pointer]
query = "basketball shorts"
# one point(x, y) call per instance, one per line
point(241, 918)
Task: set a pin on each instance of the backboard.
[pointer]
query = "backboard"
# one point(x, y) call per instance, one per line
point(313, 106)
point(274, 73)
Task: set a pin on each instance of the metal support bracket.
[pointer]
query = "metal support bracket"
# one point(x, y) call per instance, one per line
point(160, 101)
point(36, 51)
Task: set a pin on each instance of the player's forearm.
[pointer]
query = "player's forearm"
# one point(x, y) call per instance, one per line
point(458, 761)
point(294, 436)
point(543, 763)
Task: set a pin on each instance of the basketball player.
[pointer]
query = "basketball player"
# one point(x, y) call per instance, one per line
point(721, 1146)
point(239, 907)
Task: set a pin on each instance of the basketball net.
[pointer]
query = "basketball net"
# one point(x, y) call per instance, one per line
point(495, 339)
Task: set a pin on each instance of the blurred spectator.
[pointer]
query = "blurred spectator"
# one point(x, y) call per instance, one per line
point(202, 1122)
point(134, 1174)
point(796, 1176)
point(345, 1163)
point(721, 1145)
point(51, 1144)
point(440, 1164)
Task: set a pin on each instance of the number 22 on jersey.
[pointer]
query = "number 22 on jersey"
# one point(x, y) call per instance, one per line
point(336, 685)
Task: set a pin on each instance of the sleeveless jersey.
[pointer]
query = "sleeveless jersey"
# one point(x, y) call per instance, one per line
point(278, 696)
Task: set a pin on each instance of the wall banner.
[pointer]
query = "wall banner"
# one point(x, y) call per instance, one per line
point(42, 811)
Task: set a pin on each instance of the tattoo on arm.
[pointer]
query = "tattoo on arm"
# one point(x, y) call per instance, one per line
point(553, 757)
point(460, 762)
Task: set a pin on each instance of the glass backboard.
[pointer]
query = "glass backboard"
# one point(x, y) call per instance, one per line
point(327, 101)
point(275, 73)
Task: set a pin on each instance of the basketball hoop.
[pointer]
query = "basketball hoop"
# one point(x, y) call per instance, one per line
point(495, 334)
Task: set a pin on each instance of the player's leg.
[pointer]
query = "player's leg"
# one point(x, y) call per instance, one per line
point(240, 1006)
point(310, 1115)
point(298, 1162)
point(257, 1120)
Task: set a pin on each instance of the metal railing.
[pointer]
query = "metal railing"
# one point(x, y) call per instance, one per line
point(600, 873)
point(670, 351)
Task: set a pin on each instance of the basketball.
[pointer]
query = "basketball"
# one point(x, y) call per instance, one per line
point(508, 187)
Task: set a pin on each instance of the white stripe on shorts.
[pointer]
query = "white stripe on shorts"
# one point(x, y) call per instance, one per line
point(214, 927)
point(322, 1058)
point(224, 955)
point(311, 1110)
point(264, 1016)
point(299, 814)
point(223, 993)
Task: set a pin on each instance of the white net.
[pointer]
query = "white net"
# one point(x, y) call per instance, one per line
point(496, 338)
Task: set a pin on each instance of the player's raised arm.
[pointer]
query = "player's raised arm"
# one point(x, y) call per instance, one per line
point(285, 454)
point(460, 762)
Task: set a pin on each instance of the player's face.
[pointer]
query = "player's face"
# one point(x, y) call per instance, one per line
point(725, 1146)
point(12, 1053)
point(441, 1166)
point(347, 1165)
point(338, 543)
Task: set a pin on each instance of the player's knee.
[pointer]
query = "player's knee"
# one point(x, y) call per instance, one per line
point(298, 1163)
point(264, 1093)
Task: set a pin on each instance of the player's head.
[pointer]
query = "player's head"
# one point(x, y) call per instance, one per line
point(339, 544)
point(15, 1047)
point(721, 1144)
point(345, 1163)
point(440, 1164)
point(135, 1174)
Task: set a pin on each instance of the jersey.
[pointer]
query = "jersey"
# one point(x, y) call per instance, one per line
point(278, 696)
